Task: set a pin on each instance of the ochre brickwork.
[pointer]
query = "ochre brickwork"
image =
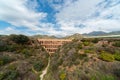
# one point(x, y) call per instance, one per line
point(51, 45)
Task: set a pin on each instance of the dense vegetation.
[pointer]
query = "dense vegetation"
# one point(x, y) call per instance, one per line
point(21, 58)
point(19, 39)
point(86, 59)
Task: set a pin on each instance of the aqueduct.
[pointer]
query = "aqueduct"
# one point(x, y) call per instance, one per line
point(51, 45)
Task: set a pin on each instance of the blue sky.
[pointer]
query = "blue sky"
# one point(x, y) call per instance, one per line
point(58, 17)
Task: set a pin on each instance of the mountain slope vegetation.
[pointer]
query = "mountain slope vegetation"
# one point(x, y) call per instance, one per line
point(86, 59)
point(21, 58)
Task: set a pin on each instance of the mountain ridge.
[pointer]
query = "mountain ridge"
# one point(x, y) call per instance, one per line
point(101, 33)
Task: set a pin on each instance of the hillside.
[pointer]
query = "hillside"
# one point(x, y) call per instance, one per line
point(101, 33)
point(21, 58)
point(115, 33)
point(86, 59)
point(95, 33)
point(74, 36)
point(44, 36)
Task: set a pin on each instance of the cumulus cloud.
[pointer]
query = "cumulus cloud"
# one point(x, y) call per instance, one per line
point(77, 10)
point(12, 30)
point(104, 24)
point(59, 4)
point(95, 15)
point(16, 13)
point(72, 16)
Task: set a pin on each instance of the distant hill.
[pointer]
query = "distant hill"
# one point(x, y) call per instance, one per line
point(44, 36)
point(74, 36)
point(95, 33)
point(101, 33)
point(115, 33)
point(3, 35)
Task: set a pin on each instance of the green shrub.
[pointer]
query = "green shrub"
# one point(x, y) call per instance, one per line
point(12, 47)
point(106, 56)
point(62, 75)
point(5, 60)
point(95, 40)
point(12, 75)
point(75, 40)
point(116, 44)
point(80, 46)
point(75, 57)
point(82, 56)
point(104, 45)
point(77, 62)
point(88, 51)
point(26, 52)
point(108, 78)
point(60, 61)
point(86, 40)
point(117, 72)
point(103, 77)
point(86, 43)
point(12, 67)
point(54, 66)
point(117, 56)
point(3, 46)
point(20, 39)
point(1, 76)
point(1, 62)
point(43, 49)
point(38, 66)
point(9, 75)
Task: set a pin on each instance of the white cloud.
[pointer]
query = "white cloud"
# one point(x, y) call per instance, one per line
point(73, 16)
point(78, 10)
point(13, 30)
point(16, 13)
point(111, 11)
point(82, 12)
point(9, 30)
point(32, 4)
point(104, 24)
point(59, 4)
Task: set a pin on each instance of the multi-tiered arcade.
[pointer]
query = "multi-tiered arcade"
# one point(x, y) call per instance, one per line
point(51, 45)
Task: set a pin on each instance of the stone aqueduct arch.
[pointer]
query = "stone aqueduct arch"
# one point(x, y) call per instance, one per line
point(51, 45)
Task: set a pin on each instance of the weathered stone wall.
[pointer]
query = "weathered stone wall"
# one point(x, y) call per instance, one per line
point(51, 45)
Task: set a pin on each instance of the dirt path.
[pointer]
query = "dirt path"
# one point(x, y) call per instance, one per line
point(44, 71)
